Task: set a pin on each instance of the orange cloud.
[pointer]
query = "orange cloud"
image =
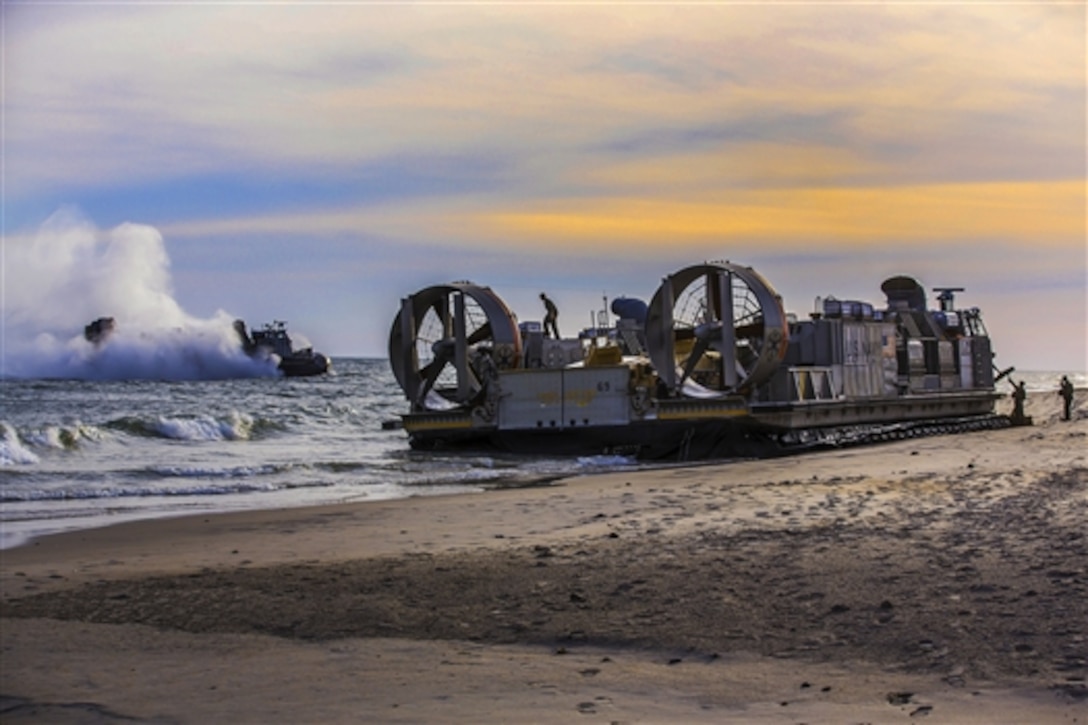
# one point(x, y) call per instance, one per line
point(750, 164)
point(1044, 213)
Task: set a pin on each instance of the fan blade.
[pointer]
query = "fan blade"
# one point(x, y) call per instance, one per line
point(750, 331)
point(481, 334)
point(697, 352)
point(441, 307)
point(430, 373)
point(740, 371)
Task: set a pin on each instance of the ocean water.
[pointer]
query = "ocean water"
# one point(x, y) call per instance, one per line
point(84, 453)
point(170, 417)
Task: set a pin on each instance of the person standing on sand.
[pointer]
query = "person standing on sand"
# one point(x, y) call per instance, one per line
point(1065, 389)
point(550, 316)
point(1019, 395)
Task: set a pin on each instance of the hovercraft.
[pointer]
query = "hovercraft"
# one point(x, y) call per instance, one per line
point(272, 339)
point(713, 366)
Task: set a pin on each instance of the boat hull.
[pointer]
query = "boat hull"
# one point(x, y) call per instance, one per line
point(690, 431)
point(296, 366)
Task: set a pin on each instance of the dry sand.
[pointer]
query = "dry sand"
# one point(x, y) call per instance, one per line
point(939, 578)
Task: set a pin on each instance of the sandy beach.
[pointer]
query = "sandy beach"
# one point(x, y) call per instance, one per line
point(941, 578)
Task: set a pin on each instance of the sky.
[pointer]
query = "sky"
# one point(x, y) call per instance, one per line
point(318, 162)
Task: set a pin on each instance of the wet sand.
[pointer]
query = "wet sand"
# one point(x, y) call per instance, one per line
point(943, 577)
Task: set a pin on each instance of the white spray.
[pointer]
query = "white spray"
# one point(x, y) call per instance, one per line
point(72, 273)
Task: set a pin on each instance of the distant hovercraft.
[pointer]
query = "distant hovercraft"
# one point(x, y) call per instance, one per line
point(273, 339)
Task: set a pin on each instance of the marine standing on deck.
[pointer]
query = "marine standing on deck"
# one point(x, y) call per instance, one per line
point(550, 316)
point(1065, 389)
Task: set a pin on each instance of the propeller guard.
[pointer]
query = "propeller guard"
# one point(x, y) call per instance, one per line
point(715, 329)
point(447, 339)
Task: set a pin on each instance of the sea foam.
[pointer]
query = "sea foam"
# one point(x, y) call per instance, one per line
point(64, 437)
point(234, 427)
point(72, 273)
point(12, 450)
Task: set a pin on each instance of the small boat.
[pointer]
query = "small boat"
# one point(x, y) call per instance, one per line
point(273, 339)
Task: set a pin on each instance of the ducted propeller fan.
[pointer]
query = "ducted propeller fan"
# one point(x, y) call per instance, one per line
point(715, 328)
point(447, 339)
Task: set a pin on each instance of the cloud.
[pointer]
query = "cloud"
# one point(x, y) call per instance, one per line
point(425, 138)
point(1045, 214)
point(128, 93)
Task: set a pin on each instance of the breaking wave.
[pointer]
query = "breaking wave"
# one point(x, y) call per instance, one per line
point(62, 437)
point(232, 427)
point(15, 447)
point(205, 428)
point(12, 450)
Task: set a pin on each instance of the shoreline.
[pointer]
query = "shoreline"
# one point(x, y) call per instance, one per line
point(18, 532)
point(28, 531)
point(942, 575)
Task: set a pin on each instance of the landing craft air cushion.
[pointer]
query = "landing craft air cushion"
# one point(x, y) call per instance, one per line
point(712, 366)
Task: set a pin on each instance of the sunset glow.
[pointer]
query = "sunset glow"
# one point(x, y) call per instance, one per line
point(319, 162)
